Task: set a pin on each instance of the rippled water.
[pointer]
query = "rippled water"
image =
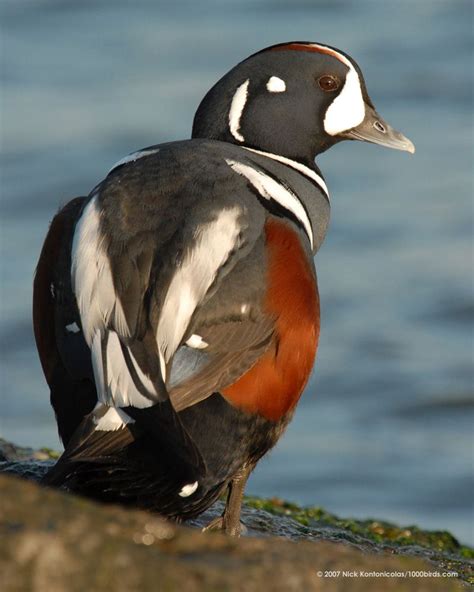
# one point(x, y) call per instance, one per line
point(385, 426)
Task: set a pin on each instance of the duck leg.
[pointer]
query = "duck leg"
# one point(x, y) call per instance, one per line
point(229, 522)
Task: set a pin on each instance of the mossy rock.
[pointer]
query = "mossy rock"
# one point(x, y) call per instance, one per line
point(51, 540)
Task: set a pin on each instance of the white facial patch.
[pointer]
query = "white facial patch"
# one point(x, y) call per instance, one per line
point(348, 108)
point(133, 157)
point(236, 109)
point(214, 242)
point(276, 85)
point(270, 189)
point(294, 164)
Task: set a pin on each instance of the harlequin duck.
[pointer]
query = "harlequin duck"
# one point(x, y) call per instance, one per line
point(176, 308)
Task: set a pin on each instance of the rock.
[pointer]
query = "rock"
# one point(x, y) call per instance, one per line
point(55, 541)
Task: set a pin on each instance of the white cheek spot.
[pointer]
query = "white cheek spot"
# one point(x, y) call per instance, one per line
point(73, 328)
point(276, 85)
point(196, 342)
point(236, 109)
point(244, 308)
point(348, 108)
point(189, 489)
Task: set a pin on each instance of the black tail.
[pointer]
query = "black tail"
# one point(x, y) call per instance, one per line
point(144, 464)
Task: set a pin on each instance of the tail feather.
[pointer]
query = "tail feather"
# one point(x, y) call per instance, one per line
point(146, 463)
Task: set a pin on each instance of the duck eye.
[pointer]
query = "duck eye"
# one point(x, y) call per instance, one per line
point(328, 83)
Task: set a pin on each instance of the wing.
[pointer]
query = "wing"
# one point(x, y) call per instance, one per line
point(64, 354)
point(228, 334)
point(148, 260)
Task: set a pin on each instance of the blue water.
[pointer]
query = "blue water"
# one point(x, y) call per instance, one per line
point(385, 426)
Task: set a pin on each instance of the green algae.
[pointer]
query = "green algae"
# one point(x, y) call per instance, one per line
point(49, 453)
point(439, 547)
point(378, 531)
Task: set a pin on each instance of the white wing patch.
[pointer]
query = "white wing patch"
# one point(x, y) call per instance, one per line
point(236, 109)
point(196, 342)
point(120, 389)
point(109, 419)
point(270, 189)
point(214, 242)
point(115, 385)
point(100, 311)
point(91, 277)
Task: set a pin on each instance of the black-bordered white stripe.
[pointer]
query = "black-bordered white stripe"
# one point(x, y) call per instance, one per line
point(271, 189)
point(294, 164)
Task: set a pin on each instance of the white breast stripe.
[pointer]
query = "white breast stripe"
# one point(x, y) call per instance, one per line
point(133, 157)
point(91, 277)
point(270, 189)
point(214, 241)
point(236, 108)
point(276, 85)
point(294, 164)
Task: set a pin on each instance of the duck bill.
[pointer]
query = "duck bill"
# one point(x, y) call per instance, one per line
point(376, 131)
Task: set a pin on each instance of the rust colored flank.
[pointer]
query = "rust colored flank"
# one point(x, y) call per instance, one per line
point(274, 384)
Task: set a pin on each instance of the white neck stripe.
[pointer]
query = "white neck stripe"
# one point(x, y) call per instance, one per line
point(294, 164)
point(236, 109)
point(272, 190)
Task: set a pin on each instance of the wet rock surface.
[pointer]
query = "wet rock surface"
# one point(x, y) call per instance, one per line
point(52, 540)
